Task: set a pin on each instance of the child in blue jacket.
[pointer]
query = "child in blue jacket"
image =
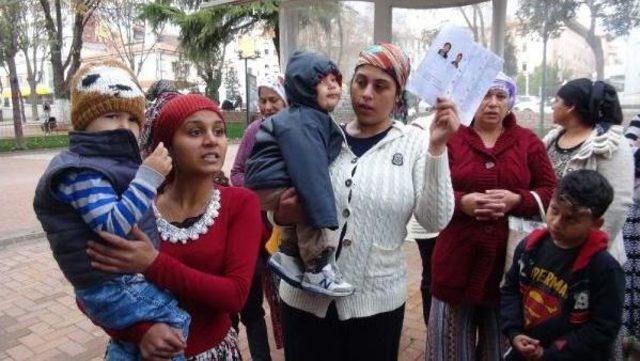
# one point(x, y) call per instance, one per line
point(294, 149)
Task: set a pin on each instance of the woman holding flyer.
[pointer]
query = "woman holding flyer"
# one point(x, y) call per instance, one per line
point(495, 165)
point(386, 173)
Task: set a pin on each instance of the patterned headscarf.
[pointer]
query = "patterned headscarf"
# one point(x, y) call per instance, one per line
point(275, 83)
point(393, 61)
point(159, 87)
point(150, 116)
point(507, 85)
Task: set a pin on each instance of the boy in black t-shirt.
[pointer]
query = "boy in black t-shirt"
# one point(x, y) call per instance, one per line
point(563, 295)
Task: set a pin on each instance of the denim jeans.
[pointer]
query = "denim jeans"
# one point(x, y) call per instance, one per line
point(126, 300)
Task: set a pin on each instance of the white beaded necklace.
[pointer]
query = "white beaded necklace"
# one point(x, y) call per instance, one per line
point(170, 233)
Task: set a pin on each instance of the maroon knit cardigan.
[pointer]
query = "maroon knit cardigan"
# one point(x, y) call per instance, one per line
point(469, 255)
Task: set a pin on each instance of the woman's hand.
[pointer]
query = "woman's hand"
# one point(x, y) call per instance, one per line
point(122, 255)
point(482, 206)
point(289, 209)
point(162, 342)
point(510, 199)
point(444, 124)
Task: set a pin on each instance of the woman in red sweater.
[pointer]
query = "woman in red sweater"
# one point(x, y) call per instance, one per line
point(495, 164)
point(210, 237)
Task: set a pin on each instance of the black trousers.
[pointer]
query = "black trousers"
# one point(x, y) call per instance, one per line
point(426, 247)
point(309, 338)
point(252, 317)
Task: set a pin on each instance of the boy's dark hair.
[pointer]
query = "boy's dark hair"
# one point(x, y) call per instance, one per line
point(586, 189)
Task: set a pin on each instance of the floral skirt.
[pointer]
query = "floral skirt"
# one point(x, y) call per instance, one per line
point(227, 350)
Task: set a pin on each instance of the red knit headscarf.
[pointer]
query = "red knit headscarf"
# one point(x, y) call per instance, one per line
point(176, 111)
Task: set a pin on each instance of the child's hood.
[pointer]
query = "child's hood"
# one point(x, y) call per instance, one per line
point(304, 72)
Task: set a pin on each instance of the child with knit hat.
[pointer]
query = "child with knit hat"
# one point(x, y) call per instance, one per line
point(100, 184)
point(294, 149)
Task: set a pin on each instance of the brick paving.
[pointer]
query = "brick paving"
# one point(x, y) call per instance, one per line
point(39, 319)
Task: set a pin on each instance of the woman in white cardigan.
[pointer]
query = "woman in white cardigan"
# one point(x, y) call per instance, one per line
point(385, 173)
point(589, 136)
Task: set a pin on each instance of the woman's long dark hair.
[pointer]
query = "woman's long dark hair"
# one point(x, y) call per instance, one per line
point(595, 102)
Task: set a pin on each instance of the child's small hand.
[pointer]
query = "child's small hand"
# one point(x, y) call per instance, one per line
point(527, 347)
point(159, 160)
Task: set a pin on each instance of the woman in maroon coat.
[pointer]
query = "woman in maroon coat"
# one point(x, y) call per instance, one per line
point(495, 164)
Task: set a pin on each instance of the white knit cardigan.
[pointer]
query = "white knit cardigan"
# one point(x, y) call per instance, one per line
point(609, 154)
point(376, 195)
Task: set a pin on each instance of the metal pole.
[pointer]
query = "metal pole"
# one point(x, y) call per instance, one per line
point(498, 30)
point(543, 86)
point(246, 82)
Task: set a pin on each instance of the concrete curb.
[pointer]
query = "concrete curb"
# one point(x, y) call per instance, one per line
point(15, 239)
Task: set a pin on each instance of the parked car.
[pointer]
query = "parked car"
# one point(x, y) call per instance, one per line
point(530, 103)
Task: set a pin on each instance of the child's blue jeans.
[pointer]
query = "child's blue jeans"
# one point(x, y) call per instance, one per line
point(126, 300)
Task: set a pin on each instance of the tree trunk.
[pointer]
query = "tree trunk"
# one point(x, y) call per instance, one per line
point(23, 116)
point(15, 103)
point(594, 42)
point(34, 101)
point(54, 33)
point(213, 82)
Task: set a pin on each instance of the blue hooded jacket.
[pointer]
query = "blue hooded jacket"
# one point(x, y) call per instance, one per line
point(295, 146)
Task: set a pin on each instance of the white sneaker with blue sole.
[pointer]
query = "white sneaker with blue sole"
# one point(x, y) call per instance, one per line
point(327, 282)
point(288, 268)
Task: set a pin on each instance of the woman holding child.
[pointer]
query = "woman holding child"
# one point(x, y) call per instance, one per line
point(495, 165)
point(385, 173)
point(210, 236)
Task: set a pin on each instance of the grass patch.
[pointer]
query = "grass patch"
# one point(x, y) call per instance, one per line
point(39, 142)
point(235, 130)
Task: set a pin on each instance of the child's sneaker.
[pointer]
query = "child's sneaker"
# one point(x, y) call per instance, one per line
point(326, 282)
point(286, 267)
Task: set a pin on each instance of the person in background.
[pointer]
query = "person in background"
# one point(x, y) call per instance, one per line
point(271, 100)
point(495, 165)
point(631, 238)
point(589, 136)
point(158, 94)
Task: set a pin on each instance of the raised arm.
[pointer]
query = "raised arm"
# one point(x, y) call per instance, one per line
point(433, 190)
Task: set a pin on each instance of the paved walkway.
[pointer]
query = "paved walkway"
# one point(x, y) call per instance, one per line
point(39, 319)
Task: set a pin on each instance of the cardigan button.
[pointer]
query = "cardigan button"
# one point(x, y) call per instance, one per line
point(489, 165)
point(348, 182)
point(346, 213)
point(354, 160)
point(346, 242)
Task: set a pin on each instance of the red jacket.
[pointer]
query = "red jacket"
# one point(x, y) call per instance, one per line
point(469, 255)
